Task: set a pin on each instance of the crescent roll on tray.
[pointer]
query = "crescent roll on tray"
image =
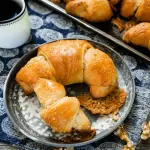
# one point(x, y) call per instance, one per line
point(138, 8)
point(129, 7)
point(132, 12)
point(67, 62)
point(139, 35)
point(102, 10)
point(90, 10)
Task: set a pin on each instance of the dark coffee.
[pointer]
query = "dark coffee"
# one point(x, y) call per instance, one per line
point(8, 9)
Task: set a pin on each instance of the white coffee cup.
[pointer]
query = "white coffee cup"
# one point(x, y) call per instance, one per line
point(15, 32)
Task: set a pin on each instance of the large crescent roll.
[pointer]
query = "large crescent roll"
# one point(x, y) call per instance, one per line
point(62, 63)
point(90, 10)
point(69, 62)
point(138, 8)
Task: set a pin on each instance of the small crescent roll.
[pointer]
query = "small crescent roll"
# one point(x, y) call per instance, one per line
point(139, 35)
point(61, 114)
point(128, 7)
point(90, 10)
point(143, 12)
point(66, 57)
point(99, 72)
point(52, 96)
point(36, 68)
point(48, 91)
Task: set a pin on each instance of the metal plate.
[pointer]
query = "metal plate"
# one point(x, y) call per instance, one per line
point(106, 30)
point(24, 110)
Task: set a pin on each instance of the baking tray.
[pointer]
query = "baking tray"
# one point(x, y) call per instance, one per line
point(106, 30)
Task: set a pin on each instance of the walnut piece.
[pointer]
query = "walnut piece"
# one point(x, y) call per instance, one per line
point(120, 132)
point(146, 131)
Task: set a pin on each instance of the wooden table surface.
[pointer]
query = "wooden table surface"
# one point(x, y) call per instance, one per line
point(144, 145)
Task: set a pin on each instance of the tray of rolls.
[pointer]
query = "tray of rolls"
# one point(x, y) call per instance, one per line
point(124, 22)
point(69, 92)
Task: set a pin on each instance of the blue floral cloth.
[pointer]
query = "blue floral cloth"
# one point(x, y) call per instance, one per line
point(47, 25)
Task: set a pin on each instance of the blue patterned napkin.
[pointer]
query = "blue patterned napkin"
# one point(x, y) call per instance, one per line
point(48, 25)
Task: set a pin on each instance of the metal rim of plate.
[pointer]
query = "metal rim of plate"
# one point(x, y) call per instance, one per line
point(91, 27)
point(18, 126)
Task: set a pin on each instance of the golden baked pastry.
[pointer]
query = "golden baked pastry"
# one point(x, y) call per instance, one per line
point(143, 12)
point(36, 68)
point(99, 73)
point(67, 62)
point(90, 10)
point(61, 113)
point(139, 35)
point(66, 57)
point(48, 91)
point(128, 7)
point(102, 10)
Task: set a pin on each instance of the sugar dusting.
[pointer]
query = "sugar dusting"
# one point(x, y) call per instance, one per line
point(102, 123)
point(105, 122)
